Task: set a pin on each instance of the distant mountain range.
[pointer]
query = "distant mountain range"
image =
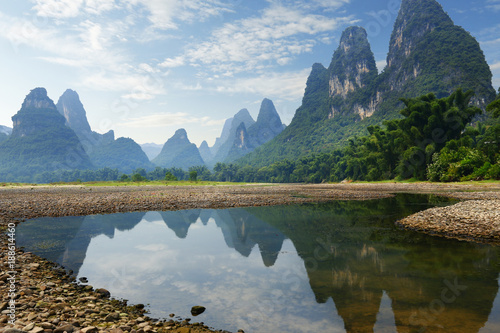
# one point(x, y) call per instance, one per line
point(47, 137)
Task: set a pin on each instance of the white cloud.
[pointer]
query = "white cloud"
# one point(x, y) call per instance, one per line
point(258, 42)
point(169, 119)
point(58, 8)
point(64, 9)
point(173, 62)
point(287, 86)
point(495, 66)
point(493, 5)
point(381, 65)
point(165, 14)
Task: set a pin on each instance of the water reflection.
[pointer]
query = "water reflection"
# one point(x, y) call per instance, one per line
point(333, 267)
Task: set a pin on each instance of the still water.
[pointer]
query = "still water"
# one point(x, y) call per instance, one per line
point(334, 267)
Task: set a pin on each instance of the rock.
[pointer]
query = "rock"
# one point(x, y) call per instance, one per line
point(37, 330)
point(116, 330)
point(47, 326)
point(112, 317)
point(12, 330)
point(184, 330)
point(197, 310)
point(89, 329)
point(29, 327)
point(66, 328)
point(103, 293)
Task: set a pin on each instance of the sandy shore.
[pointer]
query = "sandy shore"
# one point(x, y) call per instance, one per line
point(47, 300)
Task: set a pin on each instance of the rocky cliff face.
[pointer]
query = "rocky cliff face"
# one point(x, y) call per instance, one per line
point(427, 54)
point(70, 106)
point(179, 152)
point(353, 69)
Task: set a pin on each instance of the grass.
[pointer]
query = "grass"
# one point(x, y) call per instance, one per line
point(155, 183)
point(412, 181)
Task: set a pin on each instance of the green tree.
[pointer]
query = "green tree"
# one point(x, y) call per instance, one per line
point(169, 177)
point(494, 107)
point(193, 175)
point(124, 178)
point(136, 177)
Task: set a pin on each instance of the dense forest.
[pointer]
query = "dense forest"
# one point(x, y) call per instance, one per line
point(433, 141)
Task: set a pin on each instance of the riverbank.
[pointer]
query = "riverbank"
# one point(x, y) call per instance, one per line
point(49, 301)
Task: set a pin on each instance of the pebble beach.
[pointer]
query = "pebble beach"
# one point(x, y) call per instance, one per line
point(48, 300)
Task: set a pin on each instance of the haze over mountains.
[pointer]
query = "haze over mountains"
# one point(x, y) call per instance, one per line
point(427, 54)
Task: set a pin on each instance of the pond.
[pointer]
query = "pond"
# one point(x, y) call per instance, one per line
point(331, 267)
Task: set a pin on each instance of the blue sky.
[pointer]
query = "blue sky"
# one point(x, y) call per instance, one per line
point(146, 68)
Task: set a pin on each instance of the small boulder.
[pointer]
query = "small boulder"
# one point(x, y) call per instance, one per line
point(89, 329)
point(103, 293)
point(65, 328)
point(197, 310)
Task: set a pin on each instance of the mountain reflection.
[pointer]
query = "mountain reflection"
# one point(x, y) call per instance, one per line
point(353, 256)
point(351, 252)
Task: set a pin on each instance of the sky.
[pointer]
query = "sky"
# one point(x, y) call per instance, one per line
point(145, 68)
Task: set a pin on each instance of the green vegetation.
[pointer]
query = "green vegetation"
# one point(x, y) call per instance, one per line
point(53, 146)
point(431, 142)
point(123, 154)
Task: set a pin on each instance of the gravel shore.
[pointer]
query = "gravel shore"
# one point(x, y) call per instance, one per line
point(47, 299)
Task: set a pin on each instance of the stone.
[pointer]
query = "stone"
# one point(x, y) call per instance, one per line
point(103, 293)
point(65, 328)
point(37, 330)
point(89, 329)
point(29, 327)
point(4, 306)
point(112, 317)
point(12, 330)
point(116, 330)
point(197, 310)
point(47, 326)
